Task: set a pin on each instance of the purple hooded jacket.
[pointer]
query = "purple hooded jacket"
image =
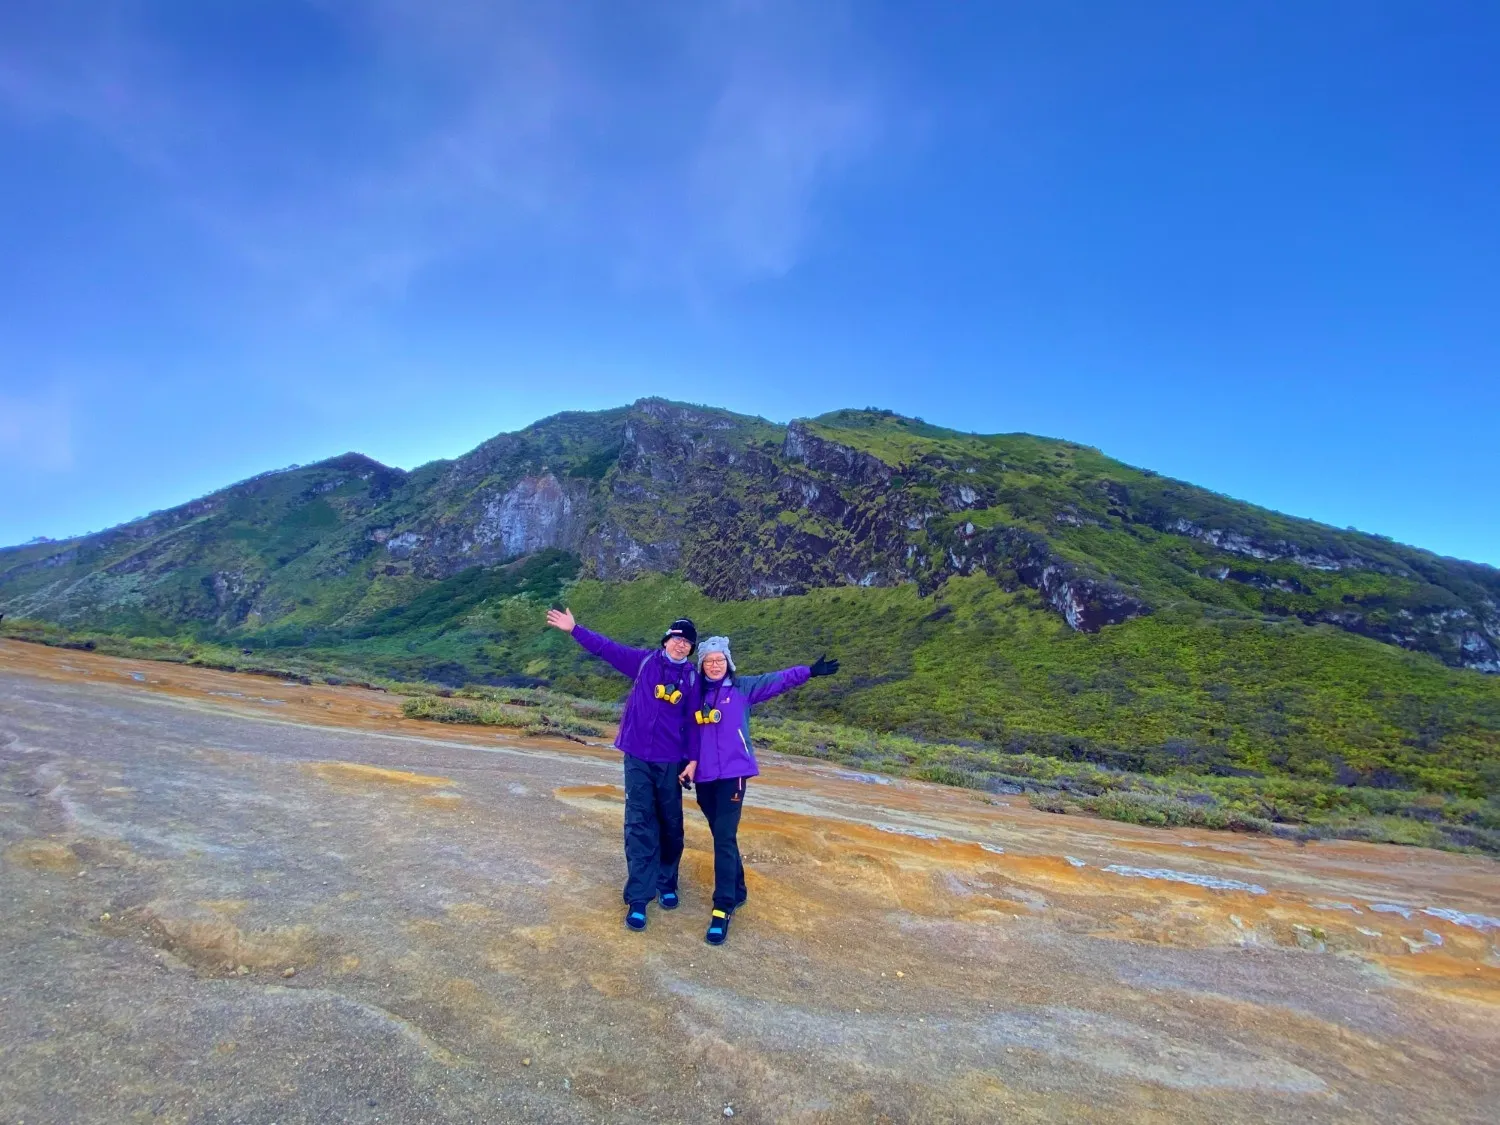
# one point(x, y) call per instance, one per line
point(651, 729)
point(722, 749)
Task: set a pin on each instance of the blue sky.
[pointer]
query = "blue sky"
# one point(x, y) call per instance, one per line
point(1250, 245)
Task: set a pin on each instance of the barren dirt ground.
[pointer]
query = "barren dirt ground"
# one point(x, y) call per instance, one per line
point(228, 899)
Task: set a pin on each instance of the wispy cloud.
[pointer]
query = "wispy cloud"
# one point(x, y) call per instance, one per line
point(36, 431)
point(669, 144)
point(771, 140)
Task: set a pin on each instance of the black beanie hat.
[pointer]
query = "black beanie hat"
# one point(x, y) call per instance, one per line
point(683, 628)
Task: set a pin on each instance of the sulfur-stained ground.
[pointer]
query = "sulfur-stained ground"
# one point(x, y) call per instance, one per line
point(229, 899)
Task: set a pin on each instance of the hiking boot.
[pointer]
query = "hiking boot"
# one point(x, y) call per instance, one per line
point(718, 928)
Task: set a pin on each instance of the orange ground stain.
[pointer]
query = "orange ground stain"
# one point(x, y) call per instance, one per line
point(809, 864)
point(356, 772)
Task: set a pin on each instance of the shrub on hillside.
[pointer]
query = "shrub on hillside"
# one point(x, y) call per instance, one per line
point(533, 720)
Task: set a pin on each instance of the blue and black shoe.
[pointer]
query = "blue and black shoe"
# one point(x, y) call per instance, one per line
point(635, 917)
point(668, 900)
point(718, 928)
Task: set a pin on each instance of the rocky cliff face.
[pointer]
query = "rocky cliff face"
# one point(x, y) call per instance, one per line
point(749, 521)
point(496, 523)
point(1451, 609)
point(748, 509)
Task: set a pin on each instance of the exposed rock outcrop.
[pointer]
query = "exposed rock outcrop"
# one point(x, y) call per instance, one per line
point(533, 514)
point(842, 462)
point(1239, 543)
point(1457, 635)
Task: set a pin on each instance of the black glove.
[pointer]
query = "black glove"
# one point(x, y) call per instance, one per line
point(824, 666)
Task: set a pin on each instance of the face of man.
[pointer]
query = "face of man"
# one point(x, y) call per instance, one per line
point(715, 665)
point(678, 648)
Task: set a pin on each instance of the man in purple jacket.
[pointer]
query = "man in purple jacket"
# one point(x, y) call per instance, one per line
point(654, 737)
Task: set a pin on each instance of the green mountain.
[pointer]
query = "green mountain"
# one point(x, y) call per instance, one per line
point(1009, 590)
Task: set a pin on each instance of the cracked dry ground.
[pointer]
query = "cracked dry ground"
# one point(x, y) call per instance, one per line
point(175, 840)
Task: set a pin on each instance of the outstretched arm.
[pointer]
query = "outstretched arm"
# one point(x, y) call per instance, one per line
point(760, 688)
point(622, 658)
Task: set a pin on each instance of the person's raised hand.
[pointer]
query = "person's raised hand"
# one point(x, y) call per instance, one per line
point(824, 666)
point(561, 619)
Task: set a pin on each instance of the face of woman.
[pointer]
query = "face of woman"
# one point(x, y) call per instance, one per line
point(715, 666)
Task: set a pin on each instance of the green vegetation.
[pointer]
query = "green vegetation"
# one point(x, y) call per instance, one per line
point(1166, 541)
point(1190, 688)
point(1180, 797)
point(304, 667)
point(530, 712)
point(1186, 718)
point(1244, 667)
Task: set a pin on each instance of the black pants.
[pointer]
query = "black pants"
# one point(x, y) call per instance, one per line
point(653, 827)
point(721, 802)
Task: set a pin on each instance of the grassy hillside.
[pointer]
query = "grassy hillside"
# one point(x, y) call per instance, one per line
point(1190, 716)
point(257, 552)
point(972, 662)
point(1188, 688)
point(1167, 541)
point(744, 508)
point(997, 600)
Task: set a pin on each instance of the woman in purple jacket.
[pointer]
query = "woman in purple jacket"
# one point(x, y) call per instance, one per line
point(721, 760)
point(654, 736)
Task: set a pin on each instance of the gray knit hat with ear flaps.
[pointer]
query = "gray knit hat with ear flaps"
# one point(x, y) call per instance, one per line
point(715, 644)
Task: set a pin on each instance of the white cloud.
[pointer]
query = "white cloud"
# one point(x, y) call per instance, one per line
point(681, 145)
point(770, 142)
point(36, 431)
